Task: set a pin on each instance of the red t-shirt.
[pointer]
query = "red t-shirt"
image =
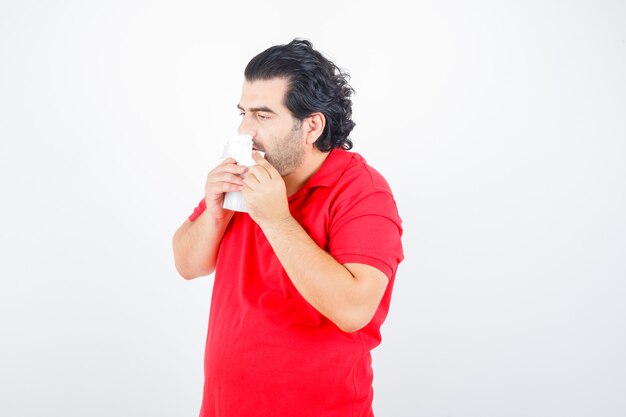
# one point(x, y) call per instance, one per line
point(268, 351)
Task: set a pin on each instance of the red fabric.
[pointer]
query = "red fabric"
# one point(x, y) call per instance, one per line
point(198, 210)
point(268, 351)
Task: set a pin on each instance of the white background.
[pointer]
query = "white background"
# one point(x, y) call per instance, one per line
point(500, 125)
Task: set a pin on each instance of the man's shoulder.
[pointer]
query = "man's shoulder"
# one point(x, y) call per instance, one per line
point(362, 192)
point(361, 175)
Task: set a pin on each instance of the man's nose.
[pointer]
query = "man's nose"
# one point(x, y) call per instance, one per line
point(246, 128)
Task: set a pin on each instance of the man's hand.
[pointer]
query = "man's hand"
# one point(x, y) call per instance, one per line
point(264, 193)
point(196, 243)
point(226, 177)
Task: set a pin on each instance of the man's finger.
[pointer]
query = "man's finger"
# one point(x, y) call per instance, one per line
point(271, 171)
point(260, 173)
point(231, 167)
point(228, 161)
point(256, 174)
point(226, 187)
point(251, 181)
point(225, 177)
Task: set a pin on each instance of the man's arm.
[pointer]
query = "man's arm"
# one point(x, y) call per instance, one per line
point(196, 243)
point(346, 294)
point(349, 294)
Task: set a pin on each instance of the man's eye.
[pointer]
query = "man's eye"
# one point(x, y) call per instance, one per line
point(262, 117)
point(242, 114)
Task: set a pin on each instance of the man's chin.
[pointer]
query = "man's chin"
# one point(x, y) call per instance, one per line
point(273, 163)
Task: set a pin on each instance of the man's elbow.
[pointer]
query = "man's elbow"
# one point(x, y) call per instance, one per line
point(184, 265)
point(184, 273)
point(365, 297)
point(349, 327)
point(188, 272)
point(354, 322)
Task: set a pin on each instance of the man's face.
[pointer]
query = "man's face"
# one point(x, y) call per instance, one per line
point(273, 128)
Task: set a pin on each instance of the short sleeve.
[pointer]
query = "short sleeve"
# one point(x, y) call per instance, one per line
point(198, 211)
point(367, 229)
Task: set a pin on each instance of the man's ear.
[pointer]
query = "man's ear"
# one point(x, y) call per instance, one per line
point(314, 127)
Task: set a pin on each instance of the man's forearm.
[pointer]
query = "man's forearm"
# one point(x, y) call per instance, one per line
point(196, 245)
point(346, 299)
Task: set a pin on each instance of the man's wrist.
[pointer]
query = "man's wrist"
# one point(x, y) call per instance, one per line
point(280, 225)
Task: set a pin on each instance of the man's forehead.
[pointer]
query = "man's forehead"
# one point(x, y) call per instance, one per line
point(263, 93)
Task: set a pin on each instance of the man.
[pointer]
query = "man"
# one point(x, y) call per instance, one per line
point(303, 280)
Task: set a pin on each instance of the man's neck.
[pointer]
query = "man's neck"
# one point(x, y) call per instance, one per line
point(311, 163)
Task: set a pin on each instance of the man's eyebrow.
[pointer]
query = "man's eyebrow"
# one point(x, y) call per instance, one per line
point(264, 109)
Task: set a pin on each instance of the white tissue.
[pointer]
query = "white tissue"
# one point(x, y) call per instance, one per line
point(240, 149)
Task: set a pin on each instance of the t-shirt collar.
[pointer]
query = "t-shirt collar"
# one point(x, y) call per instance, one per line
point(331, 170)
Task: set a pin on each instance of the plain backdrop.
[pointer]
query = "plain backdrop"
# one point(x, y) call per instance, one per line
point(500, 125)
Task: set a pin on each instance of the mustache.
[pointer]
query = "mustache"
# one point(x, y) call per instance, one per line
point(257, 147)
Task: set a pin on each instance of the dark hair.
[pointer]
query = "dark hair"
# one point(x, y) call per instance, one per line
point(315, 85)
